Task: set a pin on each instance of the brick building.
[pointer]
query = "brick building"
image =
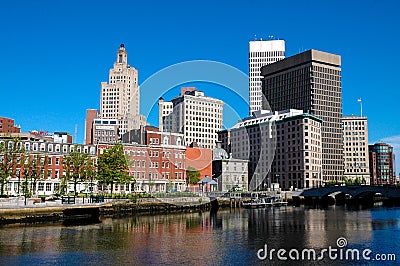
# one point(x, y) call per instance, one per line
point(382, 164)
point(156, 167)
point(48, 156)
point(7, 126)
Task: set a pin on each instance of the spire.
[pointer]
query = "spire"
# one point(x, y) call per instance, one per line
point(122, 55)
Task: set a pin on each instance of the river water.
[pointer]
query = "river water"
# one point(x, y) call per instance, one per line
point(228, 237)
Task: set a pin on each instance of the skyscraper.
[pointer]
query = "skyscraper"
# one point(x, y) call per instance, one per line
point(311, 81)
point(261, 53)
point(355, 147)
point(197, 116)
point(120, 97)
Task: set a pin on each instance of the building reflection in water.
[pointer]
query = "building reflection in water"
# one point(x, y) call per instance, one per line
point(225, 237)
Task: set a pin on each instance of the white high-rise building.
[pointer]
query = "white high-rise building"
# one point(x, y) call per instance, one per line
point(355, 147)
point(196, 116)
point(261, 53)
point(120, 97)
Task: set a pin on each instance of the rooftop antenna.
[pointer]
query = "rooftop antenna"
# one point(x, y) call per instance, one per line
point(360, 101)
point(75, 133)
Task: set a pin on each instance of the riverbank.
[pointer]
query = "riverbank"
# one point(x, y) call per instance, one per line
point(41, 213)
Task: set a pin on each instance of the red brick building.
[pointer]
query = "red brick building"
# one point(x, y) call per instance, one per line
point(157, 165)
point(91, 115)
point(382, 164)
point(7, 126)
point(200, 159)
point(45, 178)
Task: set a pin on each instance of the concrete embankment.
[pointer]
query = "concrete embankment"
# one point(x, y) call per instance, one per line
point(71, 212)
point(31, 215)
point(158, 205)
point(118, 208)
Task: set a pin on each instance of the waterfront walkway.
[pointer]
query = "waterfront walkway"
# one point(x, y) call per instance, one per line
point(19, 202)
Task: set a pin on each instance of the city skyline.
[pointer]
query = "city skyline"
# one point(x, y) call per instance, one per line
point(64, 51)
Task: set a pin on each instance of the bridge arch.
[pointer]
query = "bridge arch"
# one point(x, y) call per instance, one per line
point(354, 191)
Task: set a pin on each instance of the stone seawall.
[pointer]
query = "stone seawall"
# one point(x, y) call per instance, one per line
point(114, 209)
point(31, 215)
point(156, 205)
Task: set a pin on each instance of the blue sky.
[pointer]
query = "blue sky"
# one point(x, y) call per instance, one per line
point(54, 54)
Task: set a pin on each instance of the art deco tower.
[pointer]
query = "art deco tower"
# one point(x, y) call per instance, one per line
point(120, 97)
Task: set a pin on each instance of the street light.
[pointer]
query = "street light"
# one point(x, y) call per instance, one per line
point(276, 180)
point(19, 179)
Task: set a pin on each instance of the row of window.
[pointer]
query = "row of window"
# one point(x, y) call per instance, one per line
point(354, 123)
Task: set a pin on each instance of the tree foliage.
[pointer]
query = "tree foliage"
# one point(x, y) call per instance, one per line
point(78, 167)
point(357, 181)
point(192, 175)
point(112, 167)
point(32, 170)
point(11, 151)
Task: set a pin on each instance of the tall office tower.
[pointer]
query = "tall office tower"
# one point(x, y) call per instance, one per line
point(355, 147)
point(382, 164)
point(311, 82)
point(196, 116)
point(120, 97)
point(261, 53)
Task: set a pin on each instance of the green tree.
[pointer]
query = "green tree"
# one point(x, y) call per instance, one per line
point(192, 175)
point(90, 172)
point(332, 183)
point(348, 181)
point(112, 167)
point(358, 181)
point(30, 166)
point(10, 151)
point(76, 167)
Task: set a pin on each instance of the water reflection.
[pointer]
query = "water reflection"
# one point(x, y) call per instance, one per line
point(227, 237)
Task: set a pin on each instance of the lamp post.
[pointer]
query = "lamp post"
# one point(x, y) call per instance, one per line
point(256, 188)
point(276, 180)
point(19, 179)
point(26, 171)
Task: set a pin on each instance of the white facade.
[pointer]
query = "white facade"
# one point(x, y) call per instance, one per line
point(355, 146)
point(120, 97)
point(61, 137)
point(261, 53)
point(231, 174)
point(196, 116)
point(105, 130)
point(47, 177)
point(164, 118)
